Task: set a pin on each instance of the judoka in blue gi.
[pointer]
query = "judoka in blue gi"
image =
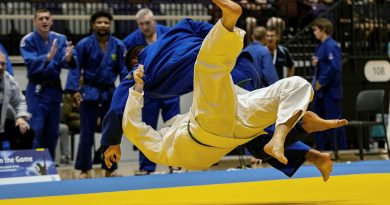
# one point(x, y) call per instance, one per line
point(100, 62)
point(262, 58)
point(149, 31)
point(9, 68)
point(45, 53)
point(327, 84)
point(244, 71)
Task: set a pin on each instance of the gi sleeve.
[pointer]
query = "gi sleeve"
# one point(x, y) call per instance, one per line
point(36, 64)
point(18, 101)
point(269, 71)
point(147, 139)
point(112, 122)
point(62, 50)
point(331, 66)
point(121, 66)
point(73, 79)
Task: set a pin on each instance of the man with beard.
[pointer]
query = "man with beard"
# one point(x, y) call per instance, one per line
point(45, 53)
point(100, 62)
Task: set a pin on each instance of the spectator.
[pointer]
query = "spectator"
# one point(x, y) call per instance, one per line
point(281, 57)
point(101, 60)
point(45, 53)
point(13, 134)
point(327, 83)
point(71, 114)
point(262, 57)
point(70, 123)
point(9, 68)
point(148, 30)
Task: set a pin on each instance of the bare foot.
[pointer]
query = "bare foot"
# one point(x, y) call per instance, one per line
point(231, 11)
point(322, 161)
point(311, 122)
point(276, 150)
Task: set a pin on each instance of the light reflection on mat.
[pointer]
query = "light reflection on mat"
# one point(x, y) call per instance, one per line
point(343, 189)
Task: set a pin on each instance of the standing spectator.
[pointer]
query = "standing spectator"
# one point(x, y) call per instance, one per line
point(327, 83)
point(9, 68)
point(148, 31)
point(261, 56)
point(13, 135)
point(281, 57)
point(45, 53)
point(101, 60)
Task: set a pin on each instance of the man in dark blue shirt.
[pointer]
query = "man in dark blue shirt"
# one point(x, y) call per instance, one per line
point(281, 57)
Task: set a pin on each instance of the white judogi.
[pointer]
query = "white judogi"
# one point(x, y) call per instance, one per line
point(219, 119)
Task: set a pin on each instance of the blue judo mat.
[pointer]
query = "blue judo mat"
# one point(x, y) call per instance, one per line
point(70, 187)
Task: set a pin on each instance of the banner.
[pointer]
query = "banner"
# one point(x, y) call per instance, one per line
point(26, 166)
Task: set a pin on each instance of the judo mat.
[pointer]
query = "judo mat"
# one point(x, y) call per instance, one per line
point(366, 182)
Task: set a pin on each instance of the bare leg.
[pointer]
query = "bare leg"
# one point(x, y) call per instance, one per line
point(275, 147)
point(231, 11)
point(322, 161)
point(311, 122)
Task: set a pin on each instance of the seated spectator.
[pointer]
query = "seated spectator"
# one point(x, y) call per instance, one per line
point(13, 134)
point(70, 123)
point(71, 114)
point(9, 68)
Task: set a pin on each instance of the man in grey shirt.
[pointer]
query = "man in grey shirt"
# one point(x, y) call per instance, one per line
point(14, 133)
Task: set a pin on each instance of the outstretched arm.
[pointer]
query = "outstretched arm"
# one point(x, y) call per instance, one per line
point(147, 139)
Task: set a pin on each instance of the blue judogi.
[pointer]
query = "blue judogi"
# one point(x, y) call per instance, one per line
point(327, 100)
point(136, 38)
point(169, 106)
point(44, 92)
point(99, 71)
point(9, 64)
point(263, 62)
point(174, 57)
point(164, 57)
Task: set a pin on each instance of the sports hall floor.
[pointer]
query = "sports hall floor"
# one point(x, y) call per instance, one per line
point(352, 182)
